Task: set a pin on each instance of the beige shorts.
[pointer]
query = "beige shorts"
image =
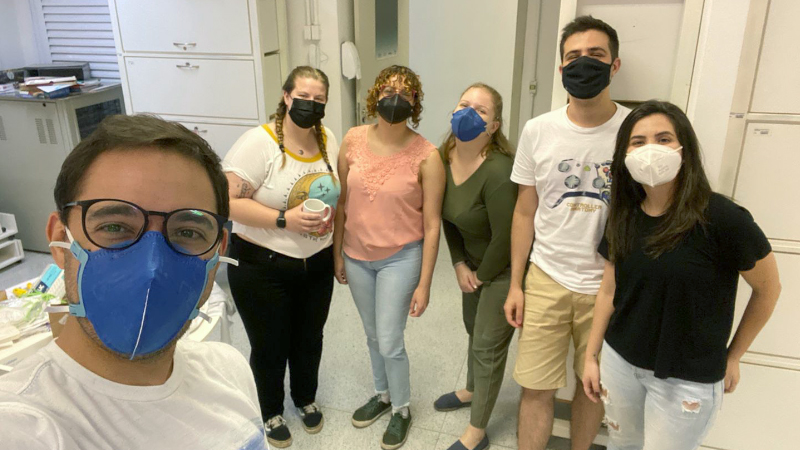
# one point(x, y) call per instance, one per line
point(552, 315)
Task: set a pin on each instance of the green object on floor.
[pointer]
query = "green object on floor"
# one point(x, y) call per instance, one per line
point(397, 431)
point(370, 412)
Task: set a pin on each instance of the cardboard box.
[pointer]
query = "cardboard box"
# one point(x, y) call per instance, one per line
point(56, 324)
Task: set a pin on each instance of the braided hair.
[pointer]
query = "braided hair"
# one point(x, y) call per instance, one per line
point(280, 113)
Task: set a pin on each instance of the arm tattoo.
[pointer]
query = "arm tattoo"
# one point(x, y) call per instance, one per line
point(245, 190)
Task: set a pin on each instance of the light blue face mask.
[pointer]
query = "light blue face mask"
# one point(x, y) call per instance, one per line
point(467, 124)
point(138, 299)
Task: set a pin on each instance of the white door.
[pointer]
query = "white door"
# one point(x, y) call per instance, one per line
point(658, 41)
point(381, 40)
point(541, 40)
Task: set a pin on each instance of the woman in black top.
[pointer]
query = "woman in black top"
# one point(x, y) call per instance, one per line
point(664, 313)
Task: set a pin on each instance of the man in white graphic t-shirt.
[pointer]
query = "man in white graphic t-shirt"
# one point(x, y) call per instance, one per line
point(562, 168)
point(139, 233)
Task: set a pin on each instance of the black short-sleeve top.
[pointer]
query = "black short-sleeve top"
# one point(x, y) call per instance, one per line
point(673, 314)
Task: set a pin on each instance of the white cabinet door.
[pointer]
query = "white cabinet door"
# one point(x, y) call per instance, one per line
point(767, 179)
point(271, 71)
point(32, 149)
point(761, 414)
point(193, 87)
point(777, 86)
point(781, 335)
point(185, 26)
point(268, 26)
point(220, 137)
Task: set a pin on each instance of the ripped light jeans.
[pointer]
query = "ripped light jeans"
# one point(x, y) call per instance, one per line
point(645, 412)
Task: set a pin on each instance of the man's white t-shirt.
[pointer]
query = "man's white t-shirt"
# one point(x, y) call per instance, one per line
point(49, 401)
point(570, 168)
point(283, 181)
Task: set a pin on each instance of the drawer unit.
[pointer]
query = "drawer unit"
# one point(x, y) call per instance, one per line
point(766, 181)
point(185, 26)
point(781, 335)
point(220, 137)
point(193, 87)
point(761, 414)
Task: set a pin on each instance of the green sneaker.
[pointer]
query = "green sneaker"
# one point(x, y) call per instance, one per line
point(397, 431)
point(369, 413)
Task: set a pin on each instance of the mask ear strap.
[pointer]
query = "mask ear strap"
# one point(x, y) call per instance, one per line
point(230, 261)
point(62, 244)
point(59, 244)
point(202, 315)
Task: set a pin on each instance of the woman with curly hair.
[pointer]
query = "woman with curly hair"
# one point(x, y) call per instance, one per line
point(284, 282)
point(386, 236)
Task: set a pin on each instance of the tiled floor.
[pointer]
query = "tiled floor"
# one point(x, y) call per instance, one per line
point(436, 343)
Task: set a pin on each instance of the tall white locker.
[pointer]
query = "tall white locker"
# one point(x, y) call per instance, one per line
point(212, 65)
point(762, 144)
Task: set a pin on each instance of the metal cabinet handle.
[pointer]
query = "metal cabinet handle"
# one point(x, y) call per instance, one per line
point(186, 66)
point(184, 44)
point(199, 131)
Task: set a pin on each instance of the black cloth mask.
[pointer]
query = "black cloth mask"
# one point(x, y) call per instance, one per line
point(395, 109)
point(306, 113)
point(586, 77)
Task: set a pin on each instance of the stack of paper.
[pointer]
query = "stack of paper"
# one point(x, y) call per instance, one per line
point(54, 87)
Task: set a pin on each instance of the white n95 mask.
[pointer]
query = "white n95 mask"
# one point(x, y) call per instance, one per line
point(654, 164)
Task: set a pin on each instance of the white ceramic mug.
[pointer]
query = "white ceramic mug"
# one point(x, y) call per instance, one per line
point(313, 205)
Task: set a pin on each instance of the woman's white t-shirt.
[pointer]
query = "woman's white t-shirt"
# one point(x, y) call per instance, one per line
point(282, 182)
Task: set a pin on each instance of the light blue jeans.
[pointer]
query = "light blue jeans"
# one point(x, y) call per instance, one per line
point(382, 291)
point(645, 412)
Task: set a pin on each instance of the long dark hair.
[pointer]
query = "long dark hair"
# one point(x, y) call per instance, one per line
point(689, 199)
point(498, 143)
point(280, 113)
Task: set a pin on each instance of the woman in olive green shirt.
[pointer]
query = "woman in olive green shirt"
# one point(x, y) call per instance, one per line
point(478, 205)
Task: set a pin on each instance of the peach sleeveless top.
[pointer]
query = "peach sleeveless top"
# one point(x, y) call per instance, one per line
point(383, 202)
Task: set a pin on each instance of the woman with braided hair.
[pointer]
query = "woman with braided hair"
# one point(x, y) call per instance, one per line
point(284, 281)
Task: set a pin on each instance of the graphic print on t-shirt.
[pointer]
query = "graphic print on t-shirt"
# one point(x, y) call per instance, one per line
point(317, 185)
point(575, 179)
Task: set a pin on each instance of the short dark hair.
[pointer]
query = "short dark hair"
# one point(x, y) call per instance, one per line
point(121, 132)
point(586, 23)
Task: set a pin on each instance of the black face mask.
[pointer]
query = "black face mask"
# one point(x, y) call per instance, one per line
point(395, 109)
point(306, 113)
point(586, 77)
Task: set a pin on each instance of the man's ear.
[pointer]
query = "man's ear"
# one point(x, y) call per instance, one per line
point(615, 66)
point(56, 231)
point(223, 245)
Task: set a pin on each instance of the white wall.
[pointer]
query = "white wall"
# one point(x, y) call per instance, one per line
point(17, 39)
point(454, 43)
point(336, 24)
point(716, 66)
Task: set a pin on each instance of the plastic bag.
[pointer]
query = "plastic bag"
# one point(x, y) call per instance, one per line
point(26, 312)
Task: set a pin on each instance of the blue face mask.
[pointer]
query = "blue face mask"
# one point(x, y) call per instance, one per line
point(467, 124)
point(138, 299)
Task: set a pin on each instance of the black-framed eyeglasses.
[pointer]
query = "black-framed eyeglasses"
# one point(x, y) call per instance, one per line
point(118, 224)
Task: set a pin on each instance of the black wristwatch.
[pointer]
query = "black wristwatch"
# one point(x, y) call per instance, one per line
point(281, 222)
